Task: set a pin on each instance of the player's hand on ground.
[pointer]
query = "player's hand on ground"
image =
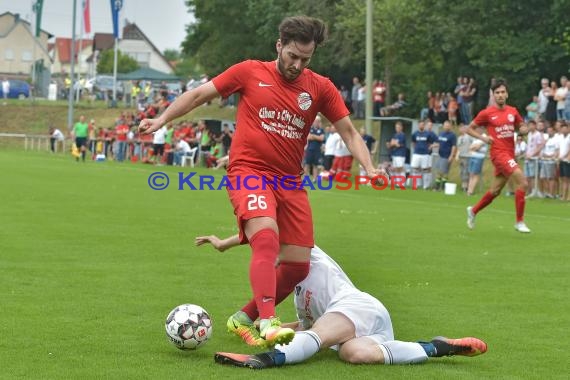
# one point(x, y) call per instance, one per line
point(148, 126)
point(212, 239)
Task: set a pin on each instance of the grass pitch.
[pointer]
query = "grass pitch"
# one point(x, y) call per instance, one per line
point(92, 260)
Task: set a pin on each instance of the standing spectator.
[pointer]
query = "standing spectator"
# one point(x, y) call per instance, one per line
point(345, 95)
point(313, 150)
point(55, 139)
point(397, 146)
point(477, 151)
point(379, 91)
point(535, 142)
point(370, 144)
point(158, 142)
point(447, 148)
point(422, 141)
point(548, 158)
point(468, 92)
point(92, 142)
point(80, 130)
point(361, 101)
point(121, 131)
point(216, 153)
point(564, 159)
point(452, 108)
point(532, 109)
point(464, 142)
point(227, 136)
point(128, 93)
point(330, 146)
point(491, 101)
point(342, 162)
point(560, 98)
point(543, 95)
point(5, 89)
point(567, 103)
point(550, 114)
point(354, 96)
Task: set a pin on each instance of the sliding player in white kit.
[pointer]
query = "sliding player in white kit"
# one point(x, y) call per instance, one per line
point(332, 312)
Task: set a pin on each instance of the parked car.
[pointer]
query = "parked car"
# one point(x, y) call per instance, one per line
point(102, 87)
point(19, 89)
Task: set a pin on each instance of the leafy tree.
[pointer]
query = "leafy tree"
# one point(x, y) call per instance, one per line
point(125, 64)
point(171, 55)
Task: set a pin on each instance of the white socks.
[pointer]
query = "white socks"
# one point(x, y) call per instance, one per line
point(426, 177)
point(304, 345)
point(396, 352)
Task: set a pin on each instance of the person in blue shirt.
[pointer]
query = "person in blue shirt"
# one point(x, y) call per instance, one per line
point(422, 141)
point(447, 142)
point(313, 149)
point(397, 146)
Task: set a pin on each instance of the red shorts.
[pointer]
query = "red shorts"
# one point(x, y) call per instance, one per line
point(252, 197)
point(342, 163)
point(505, 164)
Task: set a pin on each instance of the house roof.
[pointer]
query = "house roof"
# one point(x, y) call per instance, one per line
point(103, 41)
point(63, 46)
point(17, 19)
point(146, 73)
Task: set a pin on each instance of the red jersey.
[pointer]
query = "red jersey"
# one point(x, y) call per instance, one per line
point(500, 124)
point(274, 116)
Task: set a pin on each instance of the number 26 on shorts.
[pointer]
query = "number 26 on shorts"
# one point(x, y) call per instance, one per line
point(256, 202)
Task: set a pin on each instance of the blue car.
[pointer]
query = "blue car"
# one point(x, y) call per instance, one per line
point(19, 89)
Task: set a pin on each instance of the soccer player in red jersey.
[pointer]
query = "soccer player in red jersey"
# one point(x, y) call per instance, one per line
point(278, 102)
point(501, 121)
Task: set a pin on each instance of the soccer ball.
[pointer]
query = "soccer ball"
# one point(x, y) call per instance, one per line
point(188, 327)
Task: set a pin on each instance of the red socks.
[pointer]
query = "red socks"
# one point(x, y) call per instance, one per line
point(262, 275)
point(483, 202)
point(289, 274)
point(519, 204)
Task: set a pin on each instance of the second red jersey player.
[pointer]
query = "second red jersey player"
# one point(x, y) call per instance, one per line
point(501, 121)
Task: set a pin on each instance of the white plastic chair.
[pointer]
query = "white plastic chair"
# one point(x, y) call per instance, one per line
point(189, 157)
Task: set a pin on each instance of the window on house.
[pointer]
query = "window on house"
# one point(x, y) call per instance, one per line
point(27, 56)
point(8, 54)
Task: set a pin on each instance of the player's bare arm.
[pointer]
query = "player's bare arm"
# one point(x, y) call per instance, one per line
point(219, 244)
point(355, 144)
point(181, 106)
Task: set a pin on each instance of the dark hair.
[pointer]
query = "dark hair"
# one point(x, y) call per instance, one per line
point(302, 29)
point(500, 82)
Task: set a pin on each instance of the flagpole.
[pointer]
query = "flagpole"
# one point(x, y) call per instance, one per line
point(33, 30)
point(72, 73)
point(78, 91)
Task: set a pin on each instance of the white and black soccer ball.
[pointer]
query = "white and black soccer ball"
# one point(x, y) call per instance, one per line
point(188, 326)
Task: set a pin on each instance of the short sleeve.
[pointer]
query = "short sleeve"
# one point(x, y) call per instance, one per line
point(481, 119)
point(231, 80)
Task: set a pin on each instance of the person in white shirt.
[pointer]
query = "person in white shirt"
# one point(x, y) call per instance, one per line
point(330, 147)
point(56, 138)
point(181, 149)
point(560, 98)
point(342, 162)
point(548, 158)
point(158, 141)
point(5, 89)
point(534, 144)
point(564, 162)
point(543, 94)
point(333, 313)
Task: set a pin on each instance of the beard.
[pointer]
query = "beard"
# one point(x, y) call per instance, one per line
point(289, 74)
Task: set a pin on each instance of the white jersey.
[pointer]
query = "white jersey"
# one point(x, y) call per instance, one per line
point(314, 294)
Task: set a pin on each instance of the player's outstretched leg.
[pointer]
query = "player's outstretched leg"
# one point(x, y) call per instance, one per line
point(272, 333)
point(441, 346)
point(256, 361)
point(241, 325)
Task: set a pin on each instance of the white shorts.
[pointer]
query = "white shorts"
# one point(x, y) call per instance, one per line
point(398, 162)
point(422, 161)
point(369, 316)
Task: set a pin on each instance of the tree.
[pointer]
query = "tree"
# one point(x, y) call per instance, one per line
point(171, 55)
point(125, 64)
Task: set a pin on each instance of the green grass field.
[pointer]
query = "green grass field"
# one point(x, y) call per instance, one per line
point(92, 260)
